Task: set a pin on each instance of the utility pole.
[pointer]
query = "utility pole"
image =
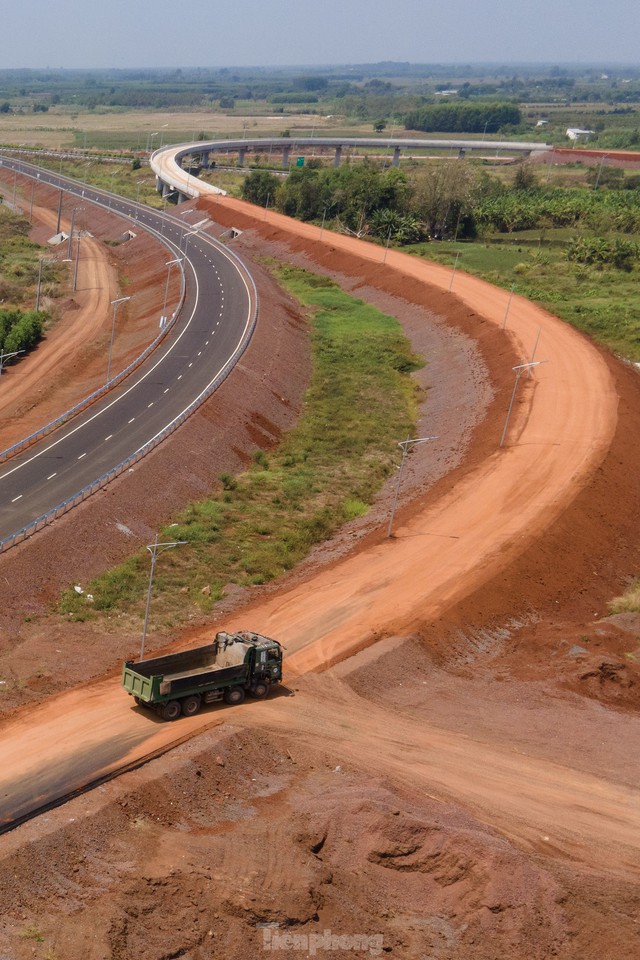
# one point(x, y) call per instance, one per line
point(39, 284)
point(59, 211)
point(70, 247)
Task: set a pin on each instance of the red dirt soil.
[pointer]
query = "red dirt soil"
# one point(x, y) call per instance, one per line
point(470, 806)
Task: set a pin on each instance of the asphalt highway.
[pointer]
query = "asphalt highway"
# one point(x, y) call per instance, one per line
point(206, 339)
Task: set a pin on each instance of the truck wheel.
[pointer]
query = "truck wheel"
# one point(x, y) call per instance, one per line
point(260, 690)
point(170, 710)
point(234, 695)
point(190, 706)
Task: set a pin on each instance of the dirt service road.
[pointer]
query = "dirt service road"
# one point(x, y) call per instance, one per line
point(560, 432)
point(561, 427)
point(41, 374)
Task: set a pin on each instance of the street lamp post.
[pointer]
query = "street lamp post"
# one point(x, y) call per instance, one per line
point(154, 549)
point(43, 260)
point(114, 304)
point(506, 313)
point(191, 233)
point(138, 185)
point(166, 289)
point(386, 248)
point(75, 269)
point(7, 356)
point(405, 445)
point(165, 201)
point(519, 370)
point(596, 184)
point(453, 272)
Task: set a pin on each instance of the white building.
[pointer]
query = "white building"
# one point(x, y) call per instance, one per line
point(575, 133)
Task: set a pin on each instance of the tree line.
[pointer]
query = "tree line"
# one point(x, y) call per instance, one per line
point(463, 117)
point(19, 330)
point(452, 200)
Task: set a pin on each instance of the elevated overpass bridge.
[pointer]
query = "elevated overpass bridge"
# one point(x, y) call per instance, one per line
point(168, 162)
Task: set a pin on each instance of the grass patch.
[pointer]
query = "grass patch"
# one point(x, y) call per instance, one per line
point(326, 471)
point(31, 933)
point(629, 602)
point(19, 263)
point(603, 302)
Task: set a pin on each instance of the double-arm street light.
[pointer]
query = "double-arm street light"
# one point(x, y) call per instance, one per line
point(518, 370)
point(154, 549)
point(405, 445)
point(7, 356)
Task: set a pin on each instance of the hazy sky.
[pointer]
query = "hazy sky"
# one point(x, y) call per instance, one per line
point(211, 33)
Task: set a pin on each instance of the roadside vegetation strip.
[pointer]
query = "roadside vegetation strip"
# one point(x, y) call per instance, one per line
point(21, 327)
point(599, 298)
point(578, 255)
point(326, 471)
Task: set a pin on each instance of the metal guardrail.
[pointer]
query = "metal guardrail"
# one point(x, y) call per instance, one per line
point(58, 511)
point(42, 432)
point(48, 428)
point(46, 518)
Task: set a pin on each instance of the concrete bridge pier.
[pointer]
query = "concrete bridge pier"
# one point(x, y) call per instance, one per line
point(242, 152)
point(337, 157)
point(396, 157)
point(286, 154)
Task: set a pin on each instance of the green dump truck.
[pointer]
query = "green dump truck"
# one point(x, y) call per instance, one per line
point(234, 665)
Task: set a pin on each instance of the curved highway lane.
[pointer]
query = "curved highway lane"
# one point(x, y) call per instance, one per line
point(208, 336)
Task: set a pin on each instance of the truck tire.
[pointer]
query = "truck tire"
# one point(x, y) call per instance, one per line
point(259, 690)
point(234, 695)
point(170, 710)
point(191, 705)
